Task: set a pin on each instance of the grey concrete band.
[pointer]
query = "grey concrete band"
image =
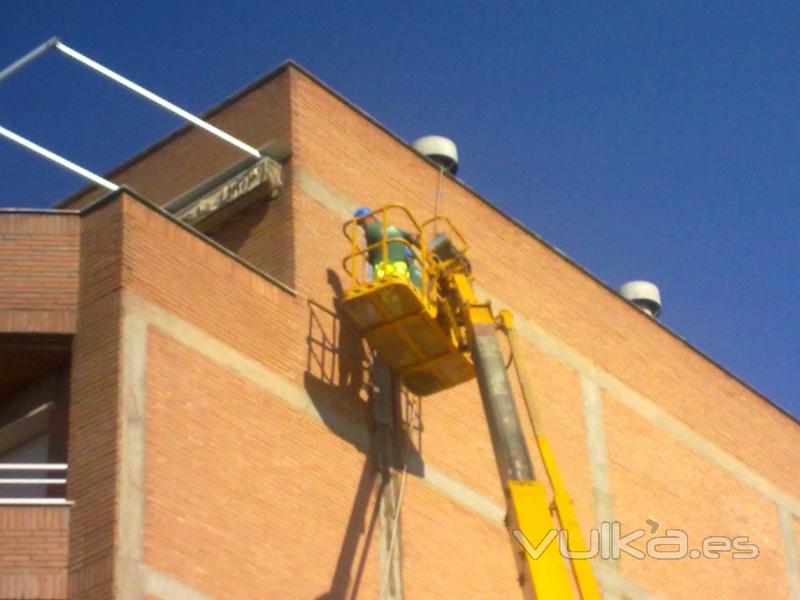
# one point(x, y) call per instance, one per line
point(130, 501)
point(790, 553)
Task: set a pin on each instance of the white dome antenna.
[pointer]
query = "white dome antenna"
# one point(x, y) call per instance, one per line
point(644, 295)
point(440, 150)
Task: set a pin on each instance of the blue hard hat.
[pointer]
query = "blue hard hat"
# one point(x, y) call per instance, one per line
point(361, 212)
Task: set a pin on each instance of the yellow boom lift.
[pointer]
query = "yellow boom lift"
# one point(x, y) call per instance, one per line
point(434, 333)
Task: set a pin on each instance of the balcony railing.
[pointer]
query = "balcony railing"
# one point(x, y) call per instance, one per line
point(32, 490)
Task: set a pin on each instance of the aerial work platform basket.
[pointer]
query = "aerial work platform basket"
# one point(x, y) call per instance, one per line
point(401, 311)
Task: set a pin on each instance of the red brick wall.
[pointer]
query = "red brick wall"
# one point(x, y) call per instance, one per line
point(264, 235)
point(285, 504)
point(93, 426)
point(655, 477)
point(33, 551)
point(364, 164)
point(587, 327)
point(201, 286)
point(285, 501)
point(449, 552)
point(230, 347)
point(38, 272)
point(205, 286)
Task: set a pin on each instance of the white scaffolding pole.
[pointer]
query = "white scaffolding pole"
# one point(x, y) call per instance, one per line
point(67, 164)
point(28, 58)
point(95, 66)
point(125, 82)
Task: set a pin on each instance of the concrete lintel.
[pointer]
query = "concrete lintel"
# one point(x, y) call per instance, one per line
point(598, 455)
point(130, 501)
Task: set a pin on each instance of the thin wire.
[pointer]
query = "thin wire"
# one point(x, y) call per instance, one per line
point(85, 60)
point(436, 202)
point(387, 566)
point(67, 164)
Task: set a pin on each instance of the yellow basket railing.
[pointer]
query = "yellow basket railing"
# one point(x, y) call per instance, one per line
point(430, 266)
point(355, 264)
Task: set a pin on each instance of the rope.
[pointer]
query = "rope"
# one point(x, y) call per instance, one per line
point(436, 202)
point(393, 539)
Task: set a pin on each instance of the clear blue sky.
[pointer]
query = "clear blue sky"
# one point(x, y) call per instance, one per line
point(655, 140)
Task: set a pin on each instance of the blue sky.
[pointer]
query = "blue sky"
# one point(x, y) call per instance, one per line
point(652, 140)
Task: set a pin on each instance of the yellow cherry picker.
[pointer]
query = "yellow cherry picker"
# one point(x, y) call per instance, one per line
point(425, 322)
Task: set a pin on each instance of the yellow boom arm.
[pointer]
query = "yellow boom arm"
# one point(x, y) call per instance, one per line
point(582, 569)
point(544, 577)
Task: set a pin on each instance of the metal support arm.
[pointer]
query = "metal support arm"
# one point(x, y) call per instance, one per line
point(544, 577)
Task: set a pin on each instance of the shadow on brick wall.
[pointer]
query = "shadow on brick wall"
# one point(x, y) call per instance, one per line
point(336, 375)
point(347, 576)
point(339, 382)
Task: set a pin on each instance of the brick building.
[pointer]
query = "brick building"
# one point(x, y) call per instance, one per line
point(178, 345)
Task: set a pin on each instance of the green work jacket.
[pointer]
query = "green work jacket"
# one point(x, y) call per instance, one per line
point(374, 234)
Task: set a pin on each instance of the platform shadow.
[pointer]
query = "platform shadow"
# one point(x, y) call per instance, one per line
point(337, 380)
point(337, 366)
point(345, 583)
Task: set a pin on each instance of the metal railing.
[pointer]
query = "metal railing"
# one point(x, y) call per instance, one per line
point(42, 484)
point(443, 225)
point(358, 263)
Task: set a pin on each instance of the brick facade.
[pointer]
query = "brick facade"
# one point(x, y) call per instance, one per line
point(220, 431)
point(38, 272)
point(33, 552)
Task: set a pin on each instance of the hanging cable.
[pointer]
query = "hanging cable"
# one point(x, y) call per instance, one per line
point(436, 201)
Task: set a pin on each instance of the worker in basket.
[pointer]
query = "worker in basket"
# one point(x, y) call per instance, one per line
point(400, 260)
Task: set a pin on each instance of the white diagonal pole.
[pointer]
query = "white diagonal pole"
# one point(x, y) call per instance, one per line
point(67, 164)
point(85, 60)
point(29, 57)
